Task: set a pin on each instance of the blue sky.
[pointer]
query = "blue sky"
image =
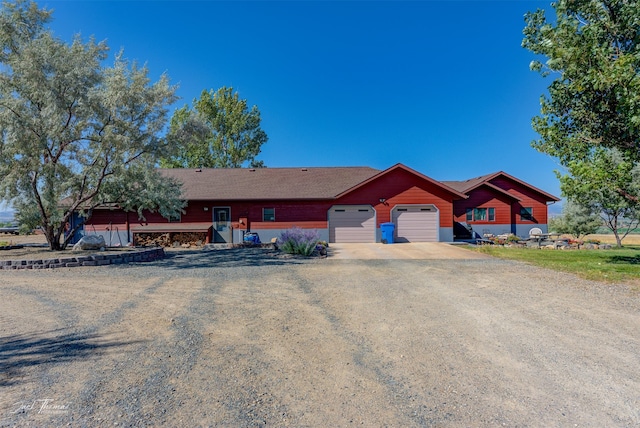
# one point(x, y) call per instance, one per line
point(441, 86)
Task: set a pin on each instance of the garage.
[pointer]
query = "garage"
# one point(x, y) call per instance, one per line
point(352, 223)
point(416, 223)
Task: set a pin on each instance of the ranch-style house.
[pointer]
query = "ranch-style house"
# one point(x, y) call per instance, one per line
point(344, 204)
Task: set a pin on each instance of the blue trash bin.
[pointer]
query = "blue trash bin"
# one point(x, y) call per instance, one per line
point(387, 230)
point(251, 238)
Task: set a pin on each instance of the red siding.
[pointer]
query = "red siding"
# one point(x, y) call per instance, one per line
point(289, 224)
point(102, 220)
point(285, 211)
point(400, 187)
point(397, 187)
point(507, 209)
point(484, 197)
point(305, 213)
point(528, 198)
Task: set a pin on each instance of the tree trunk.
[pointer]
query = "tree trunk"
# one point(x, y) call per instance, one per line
point(52, 238)
point(618, 239)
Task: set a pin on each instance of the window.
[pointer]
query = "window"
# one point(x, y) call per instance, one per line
point(221, 214)
point(481, 214)
point(268, 214)
point(526, 213)
point(492, 214)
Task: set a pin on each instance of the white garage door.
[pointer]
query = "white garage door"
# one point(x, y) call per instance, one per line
point(416, 223)
point(352, 223)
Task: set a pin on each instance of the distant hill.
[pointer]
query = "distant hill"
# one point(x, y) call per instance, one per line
point(6, 216)
point(555, 210)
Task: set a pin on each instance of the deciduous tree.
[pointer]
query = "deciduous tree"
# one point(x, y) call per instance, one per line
point(219, 131)
point(576, 220)
point(74, 133)
point(601, 183)
point(591, 47)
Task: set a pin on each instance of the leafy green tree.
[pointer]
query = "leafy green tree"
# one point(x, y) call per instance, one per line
point(590, 119)
point(592, 47)
point(76, 134)
point(27, 215)
point(220, 131)
point(602, 184)
point(576, 220)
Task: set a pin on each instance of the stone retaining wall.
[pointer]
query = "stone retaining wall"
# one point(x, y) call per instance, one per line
point(140, 256)
point(11, 247)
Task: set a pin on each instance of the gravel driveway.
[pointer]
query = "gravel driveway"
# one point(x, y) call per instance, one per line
point(412, 251)
point(247, 338)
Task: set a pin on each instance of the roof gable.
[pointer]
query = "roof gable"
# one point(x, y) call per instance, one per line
point(548, 196)
point(468, 186)
point(315, 183)
point(465, 188)
point(400, 166)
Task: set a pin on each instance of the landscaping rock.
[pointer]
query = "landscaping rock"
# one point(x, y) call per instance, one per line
point(90, 242)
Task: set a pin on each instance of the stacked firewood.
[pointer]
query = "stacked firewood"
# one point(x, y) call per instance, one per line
point(152, 239)
point(171, 239)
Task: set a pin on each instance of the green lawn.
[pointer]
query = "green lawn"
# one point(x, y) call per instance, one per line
point(613, 265)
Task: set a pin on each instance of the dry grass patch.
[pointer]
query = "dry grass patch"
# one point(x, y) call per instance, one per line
point(610, 239)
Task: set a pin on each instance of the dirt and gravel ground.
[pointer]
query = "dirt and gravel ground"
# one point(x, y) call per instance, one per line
point(249, 338)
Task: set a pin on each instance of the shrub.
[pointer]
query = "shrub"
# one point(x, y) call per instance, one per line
point(298, 241)
point(504, 239)
point(513, 238)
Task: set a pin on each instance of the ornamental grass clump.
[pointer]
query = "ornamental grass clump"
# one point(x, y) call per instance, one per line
point(298, 241)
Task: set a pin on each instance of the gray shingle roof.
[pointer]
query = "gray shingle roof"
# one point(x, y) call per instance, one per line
point(268, 183)
point(466, 185)
point(472, 183)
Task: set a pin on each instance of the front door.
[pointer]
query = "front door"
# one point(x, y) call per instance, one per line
point(222, 224)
